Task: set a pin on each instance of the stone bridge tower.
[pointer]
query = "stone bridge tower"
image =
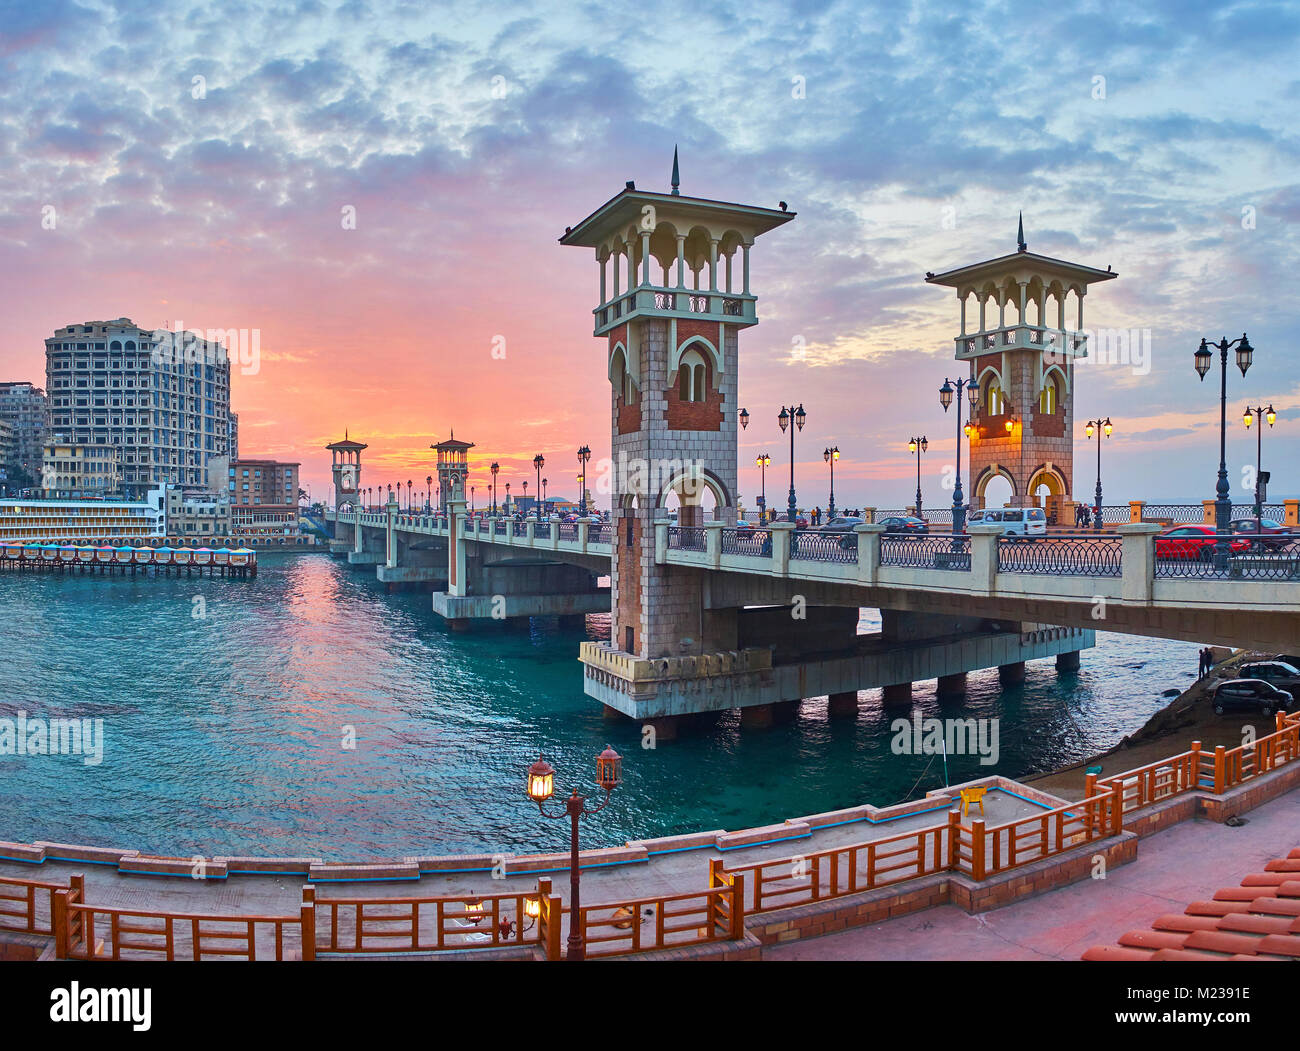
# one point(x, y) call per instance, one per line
point(674, 294)
point(346, 471)
point(1024, 359)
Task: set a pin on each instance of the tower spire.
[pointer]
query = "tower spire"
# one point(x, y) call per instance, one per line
point(677, 177)
point(1020, 236)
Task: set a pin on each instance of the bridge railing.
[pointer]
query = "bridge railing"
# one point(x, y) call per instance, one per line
point(686, 538)
point(811, 546)
point(930, 551)
point(756, 543)
point(1059, 555)
point(600, 533)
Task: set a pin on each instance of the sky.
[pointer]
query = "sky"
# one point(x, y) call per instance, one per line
point(198, 163)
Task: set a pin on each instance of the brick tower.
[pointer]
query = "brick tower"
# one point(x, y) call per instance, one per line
point(1024, 360)
point(346, 470)
point(674, 294)
point(453, 469)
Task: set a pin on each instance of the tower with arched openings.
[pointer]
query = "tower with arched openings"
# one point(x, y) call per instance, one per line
point(1014, 314)
point(674, 294)
point(345, 471)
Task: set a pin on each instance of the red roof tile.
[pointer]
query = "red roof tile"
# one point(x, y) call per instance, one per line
point(1259, 921)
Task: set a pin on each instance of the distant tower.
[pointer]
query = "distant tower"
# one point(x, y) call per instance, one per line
point(1023, 358)
point(453, 468)
point(673, 296)
point(346, 470)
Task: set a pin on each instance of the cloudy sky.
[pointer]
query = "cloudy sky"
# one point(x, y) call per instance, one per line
point(198, 159)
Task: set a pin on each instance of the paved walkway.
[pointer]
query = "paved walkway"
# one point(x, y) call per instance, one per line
point(1185, 863)
point(662, 874)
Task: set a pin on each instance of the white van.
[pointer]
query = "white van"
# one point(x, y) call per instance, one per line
point(1015, 521)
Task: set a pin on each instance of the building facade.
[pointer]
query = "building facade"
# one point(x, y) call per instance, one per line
point(6, 451)
point(197, 512)
point(263, 497)
point(162, 397)
point(75, 471)
point(27, 520)
point(25, 408)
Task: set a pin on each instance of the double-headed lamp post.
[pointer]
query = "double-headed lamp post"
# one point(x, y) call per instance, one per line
point(539, 461)
point(428, 494)
point(831, 455)
point(495, 468)
point(945, 399)
point(763, 461)
point(1098, 427)
point(584, 456)
point(1204, 359)
point(541, 786)
point(799, 418)
point(918, 446)
point(1249, 417)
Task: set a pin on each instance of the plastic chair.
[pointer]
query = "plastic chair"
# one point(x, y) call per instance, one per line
point(972, 795)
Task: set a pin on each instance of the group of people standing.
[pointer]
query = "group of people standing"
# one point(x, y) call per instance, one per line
point(1082, 515)
point(1207, 663)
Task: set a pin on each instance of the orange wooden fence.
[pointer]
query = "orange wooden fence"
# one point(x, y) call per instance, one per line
point(27, 905)
point(1039, 836)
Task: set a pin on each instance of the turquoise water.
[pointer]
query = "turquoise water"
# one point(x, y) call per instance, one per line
point(224, 734)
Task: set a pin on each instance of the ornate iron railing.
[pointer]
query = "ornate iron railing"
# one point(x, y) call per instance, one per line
point(1179, 513)
point(931, 551)
point(542, 531)
point(733, 307)
point(1056, 555)
point(600, 533)
point(807, 546)
point(520, 529)
point(757, 542)
point(665, 301)
point(568, 531)
point(686, 538)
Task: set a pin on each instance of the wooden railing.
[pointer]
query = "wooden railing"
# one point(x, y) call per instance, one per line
point(27, 905)
point(833, 873)
point(1022, 842)
point(428, 924)
point(1162, 779)
point(668, 921)
point(101, 932)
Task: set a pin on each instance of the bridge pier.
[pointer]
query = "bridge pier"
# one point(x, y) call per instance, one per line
point(897, 695)
point(842, 705)
point(1011, 674)
point(1067, 661)
point(953, 687)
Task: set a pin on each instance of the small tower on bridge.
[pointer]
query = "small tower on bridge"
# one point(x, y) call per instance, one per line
point(346, 470)
point(674, 294)
point(1023, 358)
point(453, 469)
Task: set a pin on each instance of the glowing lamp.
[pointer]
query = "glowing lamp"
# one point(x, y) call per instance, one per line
point(541, 781)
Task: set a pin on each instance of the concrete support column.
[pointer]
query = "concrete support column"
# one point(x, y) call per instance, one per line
point(390, 533)
point(1138, 561)
point(530, 531)
point(713, 264)
point(1011, 674)
point(868, 552)
point(357, 545)
point(681, 261)
point(842, 705)
point(555, 532)
point(963, 316)
point(1067, 661)
point(645, 257)
point(584, 534)
point(781, 533)
point(602, 278)
point(762, 716)
point(661, 543)
point(898, 695)
point(984, 557)
point(983, 300)
point(953, 685)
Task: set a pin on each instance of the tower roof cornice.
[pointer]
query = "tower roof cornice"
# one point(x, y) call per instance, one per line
point(625, 209)
point(1016, 264)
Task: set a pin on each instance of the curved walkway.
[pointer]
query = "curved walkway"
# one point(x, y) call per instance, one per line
point(1182, 864)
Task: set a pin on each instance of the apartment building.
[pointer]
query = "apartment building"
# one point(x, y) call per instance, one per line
point(75, 471)
point(163, 398)
point(263, 497)
point(24, 407)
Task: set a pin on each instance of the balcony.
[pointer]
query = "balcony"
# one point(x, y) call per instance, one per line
point(655, 301)
point(1034, 337)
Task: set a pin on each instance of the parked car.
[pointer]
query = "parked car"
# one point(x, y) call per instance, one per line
point(1267, 533)
point(904, 524)
point(1250, 695)
point(744, 527)
point(1015, 521)
point(1282, 674)
point(841, 524)
point(1193, 542)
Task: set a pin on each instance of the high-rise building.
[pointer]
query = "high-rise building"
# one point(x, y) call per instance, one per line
point(263, 497)
point(25, 408)
point(6, 451)
point(233, 444)
point(163, 397)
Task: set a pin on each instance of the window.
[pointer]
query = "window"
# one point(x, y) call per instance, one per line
point(692, 377)
point(1049, 398)
point(993, 399)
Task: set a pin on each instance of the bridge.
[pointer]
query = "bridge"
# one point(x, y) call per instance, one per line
point(707, 615)
point(950, 603)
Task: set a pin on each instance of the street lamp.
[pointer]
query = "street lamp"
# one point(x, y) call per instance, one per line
point(494, 469)
point(1098, 427)
point(799, 417)
point(744, 418)
point(1204, 358)
point(763, 461)
point(543, 494)
point(584, 455)
point(472, 490)
point(1261, 476)
point(508, 497)
point(945, 399)
point(409, 483)
point(539, 461)
point(541, 786)
point(831, 455)
point(918, 446)
point(428, 494)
